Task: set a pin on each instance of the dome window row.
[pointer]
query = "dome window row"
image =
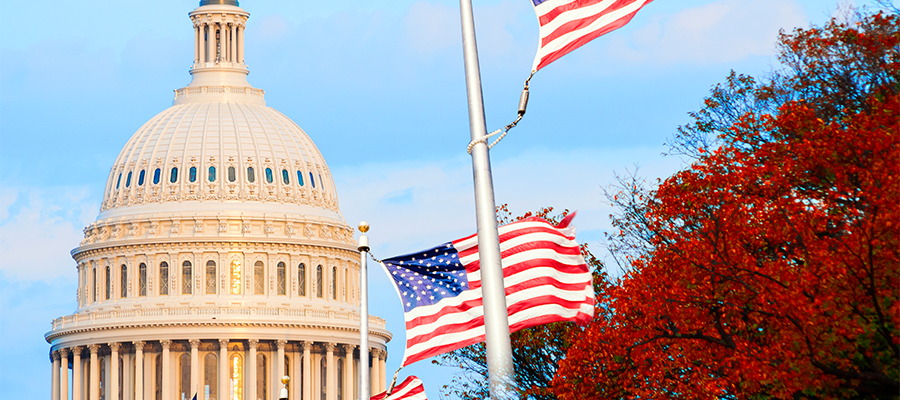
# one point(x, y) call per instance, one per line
point(211, 176)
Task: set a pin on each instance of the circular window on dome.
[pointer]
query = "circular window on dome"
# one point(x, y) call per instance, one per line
point(232, 174)
point(128, 180)
point(251, 175)
point(156, 175)
point(300, 177)
point(212, 174)
point(311, 180)
point(192, 174)
point(141, 178)
point(269, 177)
point(173, 177)
point(285, 177)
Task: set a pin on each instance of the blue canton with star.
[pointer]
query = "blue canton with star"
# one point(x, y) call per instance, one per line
point(426, 277)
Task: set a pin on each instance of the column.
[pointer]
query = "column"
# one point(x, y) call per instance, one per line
point(348, 371)
point(233, 53)
point(279, 360)
point(76, 373)
point(331, 379)
point(211, 44)
point(223, 369)
point(114, 371)
point(166, 370)
point(307, 370)
point(251, 367)
point(54, 376)
point(64, 374)
point(196, 42)
point(195, 367)
point(373, 373)
point(139, 370)
point(240, 38)
point(95, 373)
point(382, 382)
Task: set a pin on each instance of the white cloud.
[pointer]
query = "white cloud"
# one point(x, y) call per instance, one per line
point(42, 225)
point(723, 31)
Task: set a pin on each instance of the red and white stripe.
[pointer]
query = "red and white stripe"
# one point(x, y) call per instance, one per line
point(546, 281)
point(568, 24)
point(410, 389)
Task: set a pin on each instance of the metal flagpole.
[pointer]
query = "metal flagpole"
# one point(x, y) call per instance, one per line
point(496, 318)
point(363, 248)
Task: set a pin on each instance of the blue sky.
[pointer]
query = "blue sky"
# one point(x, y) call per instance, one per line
point(379, 86)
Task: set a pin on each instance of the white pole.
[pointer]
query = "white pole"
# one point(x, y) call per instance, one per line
point(363, 313)
point(496, 318)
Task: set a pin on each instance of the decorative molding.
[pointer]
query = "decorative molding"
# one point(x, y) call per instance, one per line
point(93, 348)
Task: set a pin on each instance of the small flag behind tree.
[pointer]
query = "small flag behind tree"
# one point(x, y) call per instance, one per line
point(409, 389)
point(568, 24)
point(545, 277)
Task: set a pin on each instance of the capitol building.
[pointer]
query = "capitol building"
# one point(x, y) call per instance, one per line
point(220, 260)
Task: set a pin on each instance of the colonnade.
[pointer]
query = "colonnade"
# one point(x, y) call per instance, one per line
point(217, 42)
point(178, 369)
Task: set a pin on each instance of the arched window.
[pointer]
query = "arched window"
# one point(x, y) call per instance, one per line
point(259, 278)
point(163, 278)
point(118, 180)
point(321, 182)
point(173, 177)
point(236, 377)
point(262, 380)
point(156, 174)
point(210, 277)
point(232, 174)
point(212, 174)
point(346, 288)
point(124, 282)
point(319, 281)
point(158, 377)
point(285, 177)
point(311, 180)
point(121, 378)
point(300, 177)
point(184, 377)
point(103, 375)
point(128, 180)
point(237, 277)
point(340, 379)
point(192, 174)
point(141, 178)
point(186, 277)
point(324, 378)
point(334, 280)
point(142, 279)
point(94, 285)
point(287, 370)
point(210, 378)
point(251, 175)
point(108, 283)
point(269, 177)
point(301, 279)
point(282, 278)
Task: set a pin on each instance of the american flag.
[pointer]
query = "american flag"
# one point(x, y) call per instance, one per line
point(545, 276)
point(409, 389)
point(568, 24)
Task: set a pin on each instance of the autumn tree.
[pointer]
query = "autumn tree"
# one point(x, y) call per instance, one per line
point(770, 268)
point(536, 351)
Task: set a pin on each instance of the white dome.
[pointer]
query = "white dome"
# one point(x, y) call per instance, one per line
point(225, 155)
